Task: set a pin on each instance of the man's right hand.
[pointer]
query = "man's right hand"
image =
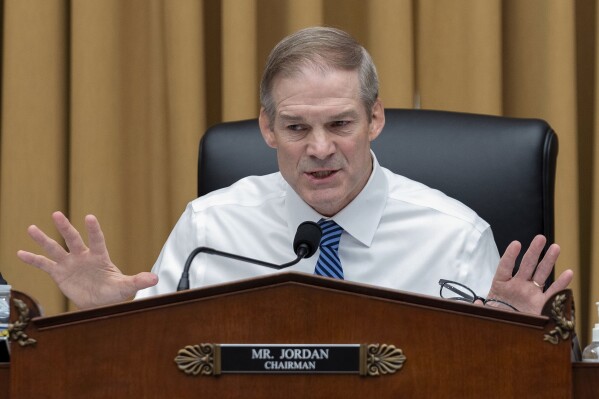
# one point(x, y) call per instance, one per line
point(86, 275)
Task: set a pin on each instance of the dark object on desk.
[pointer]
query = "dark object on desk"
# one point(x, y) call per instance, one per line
point(4, 353)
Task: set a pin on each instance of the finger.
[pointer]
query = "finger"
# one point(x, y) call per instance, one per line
point(39, 261)
point(507, 262)
point(71, 236)
point(531, 258)
point(137, 282)
point(97, 244)
point(145, 280)
point(561, 283)
point(54, 250)
point(546, 265)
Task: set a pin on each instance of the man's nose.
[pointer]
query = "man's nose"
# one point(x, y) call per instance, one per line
point(320, 144)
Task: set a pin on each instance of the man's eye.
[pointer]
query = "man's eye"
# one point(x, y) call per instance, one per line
point(296, 128)
point(340, 123)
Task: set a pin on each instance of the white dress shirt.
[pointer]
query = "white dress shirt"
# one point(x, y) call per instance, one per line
point(398, 233)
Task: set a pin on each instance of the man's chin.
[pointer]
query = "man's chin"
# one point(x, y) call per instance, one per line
point(326, 206)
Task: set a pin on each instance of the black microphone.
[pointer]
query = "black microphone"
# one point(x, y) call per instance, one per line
point(305, 243)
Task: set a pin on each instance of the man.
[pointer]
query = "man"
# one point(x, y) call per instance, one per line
point(320, 110)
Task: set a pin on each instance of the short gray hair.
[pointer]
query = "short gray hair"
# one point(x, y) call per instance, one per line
point(324, 48)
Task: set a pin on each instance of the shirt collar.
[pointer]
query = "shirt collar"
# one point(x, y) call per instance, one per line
point(360, 218)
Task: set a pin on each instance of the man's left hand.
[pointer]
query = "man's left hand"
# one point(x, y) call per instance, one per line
point(525, 290)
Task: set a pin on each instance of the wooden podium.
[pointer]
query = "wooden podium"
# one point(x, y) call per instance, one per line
point(412, 346)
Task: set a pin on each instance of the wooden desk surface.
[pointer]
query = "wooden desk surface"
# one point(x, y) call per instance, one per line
point(4, 378)
point(585, 380)
point(274, 296)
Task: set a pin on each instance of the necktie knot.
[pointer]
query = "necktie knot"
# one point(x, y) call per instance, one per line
point(329, 264)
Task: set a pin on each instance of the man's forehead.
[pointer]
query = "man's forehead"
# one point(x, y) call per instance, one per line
point(287, 115)
point(317, 94)
point(309, 74)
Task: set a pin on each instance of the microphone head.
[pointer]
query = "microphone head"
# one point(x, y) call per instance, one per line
point(307, 237)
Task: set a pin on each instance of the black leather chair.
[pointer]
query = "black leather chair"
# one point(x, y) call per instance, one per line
point(503, 168)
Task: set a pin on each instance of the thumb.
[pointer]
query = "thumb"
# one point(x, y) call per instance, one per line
point(145, 280)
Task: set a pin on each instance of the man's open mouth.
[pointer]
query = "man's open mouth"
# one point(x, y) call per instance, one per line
point(322, 173)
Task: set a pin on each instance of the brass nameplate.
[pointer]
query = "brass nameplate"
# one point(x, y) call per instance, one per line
point(216, 359)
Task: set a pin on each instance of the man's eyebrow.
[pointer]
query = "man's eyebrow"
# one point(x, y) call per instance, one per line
point(347, 114)
point(290, 118)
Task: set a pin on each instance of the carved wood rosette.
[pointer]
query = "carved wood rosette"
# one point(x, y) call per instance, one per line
point(198, 359)
point(560, 310)
point(383, 359)
point(16, 330)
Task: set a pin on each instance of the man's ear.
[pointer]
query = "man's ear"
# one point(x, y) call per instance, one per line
point(267, 133)
point(377, 122)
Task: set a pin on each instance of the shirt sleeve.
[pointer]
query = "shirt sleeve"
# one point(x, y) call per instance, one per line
point(187, 235)
point(480, 269)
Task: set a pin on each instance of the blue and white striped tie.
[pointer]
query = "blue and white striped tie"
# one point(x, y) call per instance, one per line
point(328, 264)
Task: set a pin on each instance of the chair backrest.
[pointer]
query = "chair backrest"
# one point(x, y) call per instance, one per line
point(503, 168)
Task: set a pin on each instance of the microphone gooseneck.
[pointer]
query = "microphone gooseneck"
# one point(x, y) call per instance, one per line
point(305, 243)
